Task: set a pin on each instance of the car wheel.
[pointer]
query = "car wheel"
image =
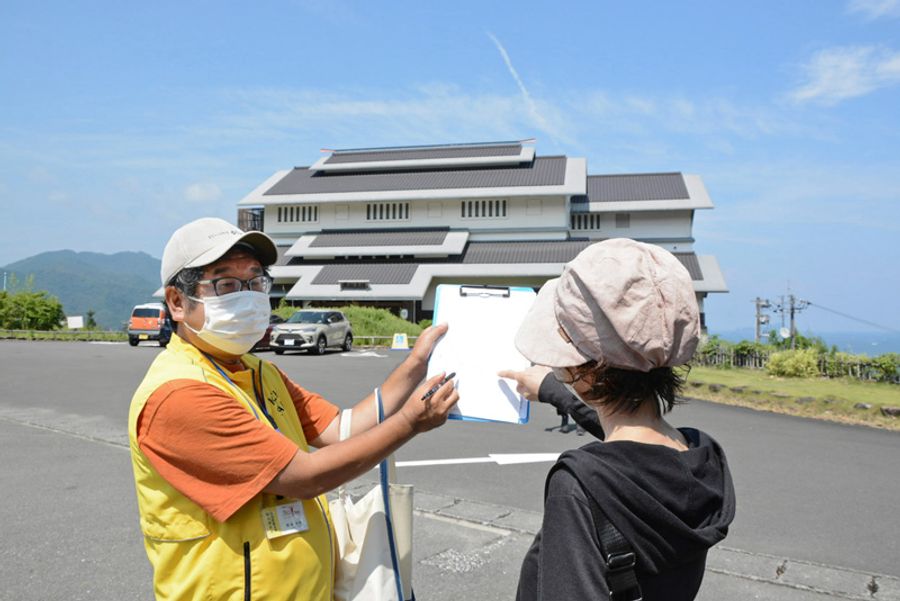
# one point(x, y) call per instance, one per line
point(279, 351)
point(320, 347)
point(348, 343)
point(132, 340)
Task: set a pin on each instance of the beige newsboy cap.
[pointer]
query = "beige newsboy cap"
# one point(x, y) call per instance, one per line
point(205, 240)
point(622, 303)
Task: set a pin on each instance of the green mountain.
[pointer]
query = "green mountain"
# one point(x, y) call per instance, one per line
point(110, 285)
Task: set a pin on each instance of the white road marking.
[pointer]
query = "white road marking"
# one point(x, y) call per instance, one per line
point(363, 354)
point(498, 458)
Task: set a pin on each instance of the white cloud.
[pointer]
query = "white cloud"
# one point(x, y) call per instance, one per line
point(874, 9)
point(202, 192)
point(836, 74)
point(701, 116)
point(422, 115)
point(540, 122)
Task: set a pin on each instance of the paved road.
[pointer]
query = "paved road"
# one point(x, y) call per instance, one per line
point(820, 496)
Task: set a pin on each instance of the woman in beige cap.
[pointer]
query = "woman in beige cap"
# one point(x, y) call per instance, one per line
point(634, 516)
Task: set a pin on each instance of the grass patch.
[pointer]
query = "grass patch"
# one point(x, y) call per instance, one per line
point(831, 399)
point(76, 335)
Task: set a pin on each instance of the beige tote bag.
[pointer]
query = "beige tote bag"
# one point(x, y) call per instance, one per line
point(374, 534)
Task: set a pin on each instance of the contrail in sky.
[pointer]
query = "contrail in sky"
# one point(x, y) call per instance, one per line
point(532, 107)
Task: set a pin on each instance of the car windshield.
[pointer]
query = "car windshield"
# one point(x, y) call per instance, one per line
point(307, 317)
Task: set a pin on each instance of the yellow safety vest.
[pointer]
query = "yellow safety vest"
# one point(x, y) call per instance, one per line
point(194, 556)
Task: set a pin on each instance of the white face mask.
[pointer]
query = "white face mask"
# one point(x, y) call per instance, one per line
point(234, 322)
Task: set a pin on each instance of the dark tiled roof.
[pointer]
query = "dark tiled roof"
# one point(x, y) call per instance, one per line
point(558, 251)
point(382, 238)
point(375, 273)
point(435, 152)
point(380, 270)
point(283, 259)
point(689, 260)
point(641, 186)
point(543, 171)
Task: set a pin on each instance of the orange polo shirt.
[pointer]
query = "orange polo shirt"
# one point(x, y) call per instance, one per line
point(214, 451)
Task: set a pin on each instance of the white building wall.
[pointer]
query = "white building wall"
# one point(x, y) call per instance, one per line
point(523, 216)
point(669, 229)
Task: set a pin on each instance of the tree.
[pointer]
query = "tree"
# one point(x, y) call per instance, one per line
point(27, 310)
point(90, 323)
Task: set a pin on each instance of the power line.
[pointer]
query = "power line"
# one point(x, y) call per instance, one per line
point(873, 324)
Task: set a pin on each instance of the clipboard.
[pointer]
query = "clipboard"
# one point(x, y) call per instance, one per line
point(483, 323)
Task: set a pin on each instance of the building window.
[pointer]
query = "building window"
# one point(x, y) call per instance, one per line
point(482, 209)
point(301, 213)
point(387, 211)
point(623, 220)
point(250, 219)
point(585, 221)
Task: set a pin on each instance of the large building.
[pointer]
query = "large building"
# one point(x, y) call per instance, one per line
point(385, 226)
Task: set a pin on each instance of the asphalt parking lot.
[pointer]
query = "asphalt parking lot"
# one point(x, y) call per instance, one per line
point(817, 500)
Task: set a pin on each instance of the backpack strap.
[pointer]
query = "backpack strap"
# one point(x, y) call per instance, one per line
point(619, 557)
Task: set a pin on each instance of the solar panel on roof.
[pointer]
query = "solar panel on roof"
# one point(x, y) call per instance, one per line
point(407, 154)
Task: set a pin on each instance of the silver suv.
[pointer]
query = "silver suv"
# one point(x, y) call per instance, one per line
point(314, 330)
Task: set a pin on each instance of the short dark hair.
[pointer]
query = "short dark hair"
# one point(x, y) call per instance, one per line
point(625, 391)
point(187, 280)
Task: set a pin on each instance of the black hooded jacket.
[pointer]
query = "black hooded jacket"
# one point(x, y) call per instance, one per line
point(671, 506)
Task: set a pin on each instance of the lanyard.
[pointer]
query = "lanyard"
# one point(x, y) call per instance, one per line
point(260, 402)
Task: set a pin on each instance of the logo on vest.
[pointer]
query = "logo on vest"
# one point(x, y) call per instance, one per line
point(273, 400)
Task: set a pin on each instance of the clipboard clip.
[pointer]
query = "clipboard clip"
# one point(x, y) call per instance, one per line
point(484, 290)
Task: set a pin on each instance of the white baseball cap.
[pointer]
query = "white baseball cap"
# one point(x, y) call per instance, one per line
point(205, 240)
point(621, 303)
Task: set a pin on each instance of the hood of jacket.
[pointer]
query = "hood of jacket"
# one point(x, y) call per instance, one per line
point(670, 505)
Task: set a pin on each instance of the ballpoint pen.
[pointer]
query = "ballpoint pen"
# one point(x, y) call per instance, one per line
point(437, 386)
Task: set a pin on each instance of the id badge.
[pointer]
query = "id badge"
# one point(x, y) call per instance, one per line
point(284, 519)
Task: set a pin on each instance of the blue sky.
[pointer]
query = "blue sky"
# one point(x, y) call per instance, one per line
point(119, 122)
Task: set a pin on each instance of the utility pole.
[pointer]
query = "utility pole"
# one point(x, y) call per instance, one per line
point(797, 305)
point(781, 308)
point(4, 281)
point(761, 319)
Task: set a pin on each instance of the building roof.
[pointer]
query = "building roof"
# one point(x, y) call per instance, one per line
point(414, 242)
point(410, 279)
point(543, 171)
point(423, 152)
point(394, 271)
point(374, 273)
point(544, 251)
point(638, 186)
point(689, 260)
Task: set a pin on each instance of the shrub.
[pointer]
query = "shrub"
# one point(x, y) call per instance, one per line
point(748, 347)
point(802, 363)
point(886, 366)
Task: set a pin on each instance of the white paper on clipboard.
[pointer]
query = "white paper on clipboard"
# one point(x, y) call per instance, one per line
point(483, 322)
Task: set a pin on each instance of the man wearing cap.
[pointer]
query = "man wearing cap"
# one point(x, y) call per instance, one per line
point(634, 516)
point(231, 499)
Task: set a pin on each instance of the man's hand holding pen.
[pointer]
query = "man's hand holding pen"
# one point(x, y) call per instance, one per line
point(430, 403)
